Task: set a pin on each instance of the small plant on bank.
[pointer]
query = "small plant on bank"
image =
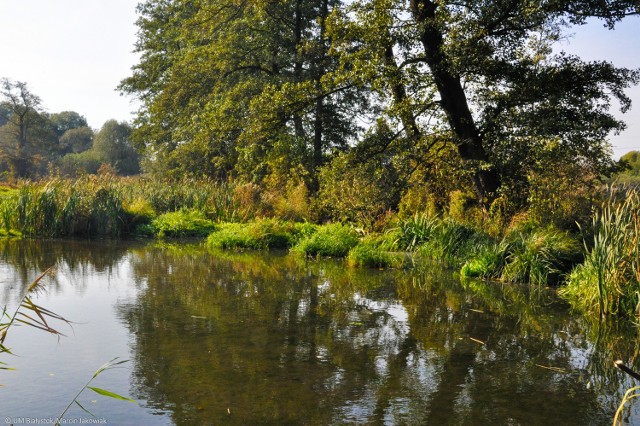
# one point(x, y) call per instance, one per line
point(488, 262)
point(416, 230)
point(259, 234)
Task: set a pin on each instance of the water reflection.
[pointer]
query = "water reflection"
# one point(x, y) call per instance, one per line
point(246, 338)
point(271, 339)
point(22, 261)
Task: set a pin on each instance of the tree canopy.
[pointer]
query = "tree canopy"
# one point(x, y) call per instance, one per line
point(231, 83)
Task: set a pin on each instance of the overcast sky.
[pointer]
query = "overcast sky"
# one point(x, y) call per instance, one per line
point(73, 54)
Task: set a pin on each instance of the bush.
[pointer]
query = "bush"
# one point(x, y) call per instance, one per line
point(539, 257)
point(333, 240)
point(416, 230)
point(451, 243)
point(536, 256)
point(355, 191)
point(488, 262)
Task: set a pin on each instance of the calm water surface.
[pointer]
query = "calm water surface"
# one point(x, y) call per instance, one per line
point(255, 338)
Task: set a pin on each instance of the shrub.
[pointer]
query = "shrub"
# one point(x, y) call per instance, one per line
point(539, 257)
point(451, 243)
point(416, 230)
point(488, 262)
point(334, 240)
point(356, 191)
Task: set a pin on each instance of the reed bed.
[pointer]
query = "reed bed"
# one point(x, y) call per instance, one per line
point(608, 281)
point(107, 206)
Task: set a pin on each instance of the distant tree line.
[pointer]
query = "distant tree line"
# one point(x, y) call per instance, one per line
point(35, 143)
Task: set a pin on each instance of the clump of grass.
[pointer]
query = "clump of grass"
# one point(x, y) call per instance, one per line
point(58, 209)
point(373, 253)
point(607, 282)
point(416, 230)
point(183, 223)
point(449, 243)
point(332, 240)
point(538, 256)
point(140, 211)
point(259, 234)
point(488, 262)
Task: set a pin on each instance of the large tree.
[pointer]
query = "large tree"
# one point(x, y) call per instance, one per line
point(26, 138)
point(112, 145)
point(484, 76)
point(225, 84)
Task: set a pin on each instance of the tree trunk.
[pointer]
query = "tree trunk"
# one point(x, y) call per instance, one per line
point(318, 125)
point(399, 93)
point(454, 101)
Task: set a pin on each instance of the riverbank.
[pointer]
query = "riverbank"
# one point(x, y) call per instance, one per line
point(236, 217)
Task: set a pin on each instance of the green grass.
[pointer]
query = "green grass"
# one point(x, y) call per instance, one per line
point(107, 206)
point(534, 256)
point(608, 281)
point(183, 223)
point(333, 240)
point(416, 230)
point(488, 262)
point(259, 234)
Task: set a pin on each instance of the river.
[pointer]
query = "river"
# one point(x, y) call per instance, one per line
point(269, 338)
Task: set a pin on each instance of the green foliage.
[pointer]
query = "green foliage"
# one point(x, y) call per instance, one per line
point(247, 96)
point(356, 192)
point(259, 234)
point(450, 243)
point(607, 282)
point(112, 146)
point(629, 168)
point(416, 230)
point(182, 223)
point(76, 140)
point(74, 164)
point(332, 240)
point(526, 255)
point(109, 206)
point(539, 257)
point(487, 262)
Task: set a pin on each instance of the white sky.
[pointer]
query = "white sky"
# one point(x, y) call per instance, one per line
point(73, 54)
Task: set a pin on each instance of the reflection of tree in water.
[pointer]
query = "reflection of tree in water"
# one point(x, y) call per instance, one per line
point(261, 339)
point(21, 261)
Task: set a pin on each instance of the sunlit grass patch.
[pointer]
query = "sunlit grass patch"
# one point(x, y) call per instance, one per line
point(259, 234)
point(183, 223)
point(332, 240)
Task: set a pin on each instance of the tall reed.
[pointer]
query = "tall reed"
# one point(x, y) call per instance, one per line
point(608, 282)
point(111, 206)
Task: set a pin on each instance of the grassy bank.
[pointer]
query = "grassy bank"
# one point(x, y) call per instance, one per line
point(106, 206)
point(237, 217)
